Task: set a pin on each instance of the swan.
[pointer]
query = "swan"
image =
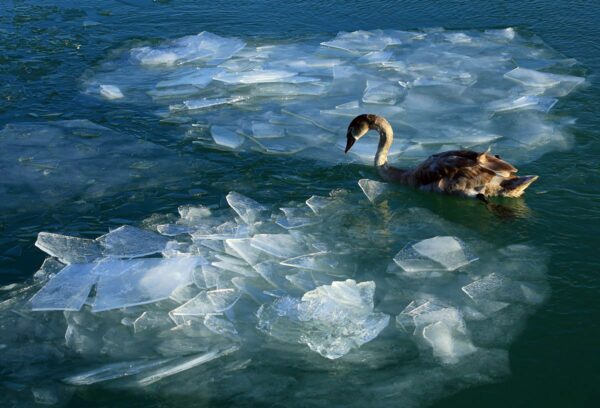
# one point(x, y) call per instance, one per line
point(458, 172)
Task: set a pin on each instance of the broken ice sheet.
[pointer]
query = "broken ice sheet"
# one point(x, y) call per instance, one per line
point(331, 320)
point(131, 242)
point(67, 290)
point(226, 137)
point(445, 253)
point(204, 46)
point(69, 249)
point(383, 92)
point(296, 218)
point(141, 281)
point(249, 210)
point(326, 262)
point(362, 41)
point(278, 245)
point(372, 188)
point(208, 302)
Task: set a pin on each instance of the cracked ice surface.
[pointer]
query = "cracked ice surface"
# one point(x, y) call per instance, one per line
point(438, 89)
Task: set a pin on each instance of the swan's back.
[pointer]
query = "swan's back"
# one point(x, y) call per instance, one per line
point(466, 172)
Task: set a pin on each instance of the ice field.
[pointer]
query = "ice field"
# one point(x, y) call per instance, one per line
point(235, 300)
point(440, 90)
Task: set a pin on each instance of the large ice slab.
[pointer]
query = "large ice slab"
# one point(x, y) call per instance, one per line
point(194, 48)
point(249, 210)
point(132, 242)
point(331, 320)
point(141, 281)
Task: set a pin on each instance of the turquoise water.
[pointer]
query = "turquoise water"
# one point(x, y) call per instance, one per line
point(49, 49)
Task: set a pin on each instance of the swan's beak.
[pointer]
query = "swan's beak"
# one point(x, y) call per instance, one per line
point(350, 141)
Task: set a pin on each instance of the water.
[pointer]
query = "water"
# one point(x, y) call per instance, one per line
point(50, 50)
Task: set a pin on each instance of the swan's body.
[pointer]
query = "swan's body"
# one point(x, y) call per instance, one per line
point(460, 172)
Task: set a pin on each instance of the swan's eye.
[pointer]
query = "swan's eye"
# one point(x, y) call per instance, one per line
point(497, 156)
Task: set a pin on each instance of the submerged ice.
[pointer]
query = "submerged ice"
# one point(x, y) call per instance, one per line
point(439, 89)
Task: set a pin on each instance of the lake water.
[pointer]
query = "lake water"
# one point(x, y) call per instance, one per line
point(78, 162)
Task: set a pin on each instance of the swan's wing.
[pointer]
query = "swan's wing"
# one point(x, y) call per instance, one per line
point(461, 164)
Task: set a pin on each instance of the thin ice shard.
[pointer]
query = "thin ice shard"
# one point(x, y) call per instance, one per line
point(226, 137)
point(249, 210)
point(68, 290)
point(372, 189)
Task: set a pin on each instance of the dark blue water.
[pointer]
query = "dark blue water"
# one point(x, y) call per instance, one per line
point(46, 50)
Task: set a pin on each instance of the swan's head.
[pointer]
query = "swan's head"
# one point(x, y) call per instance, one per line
point(359, 126)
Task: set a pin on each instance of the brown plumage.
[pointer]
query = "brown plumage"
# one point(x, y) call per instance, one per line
point(461, 172)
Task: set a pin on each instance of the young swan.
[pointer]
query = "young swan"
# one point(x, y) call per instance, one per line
point(460, 172)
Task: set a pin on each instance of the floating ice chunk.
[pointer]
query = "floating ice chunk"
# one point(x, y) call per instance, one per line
point(538, 103)
point(184, 364)
point(114, 371)
point(331, 320)
point(198, 77)
point(195, 104)
point(203, 46)
point(110, 92)
point(254, 77)
point(208, 302)
point(266, 130)
point(220, 326)
point(272, 272)
point(296, 218)
point(68, 290)
point(232, 265)
point(502, 34)
point(69, 249)
point(372, 189)
point(182, 294)
point(142, 281)
point(447, 253)
point(320, 262)
point(255, 288)
point(131, 242)
point(278, 245)
point(382, 92)
point(243, 247)
point(537, 79)
point(249, 210)
point(226, 137)
point(448, 343)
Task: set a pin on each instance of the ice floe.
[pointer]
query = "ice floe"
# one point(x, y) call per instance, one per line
point(436, 87)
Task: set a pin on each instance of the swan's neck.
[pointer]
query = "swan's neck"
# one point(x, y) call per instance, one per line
point(386, 137)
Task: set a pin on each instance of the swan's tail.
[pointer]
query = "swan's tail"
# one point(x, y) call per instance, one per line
point(515, 187)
